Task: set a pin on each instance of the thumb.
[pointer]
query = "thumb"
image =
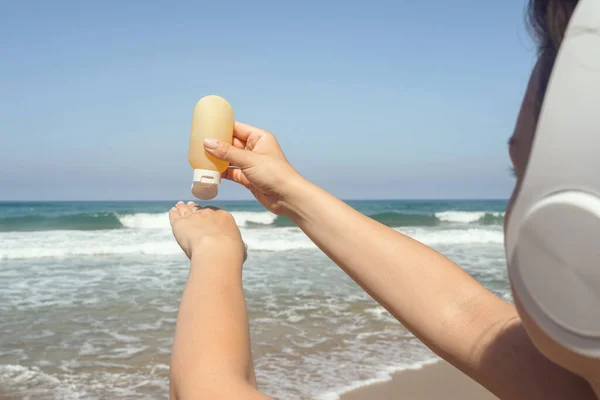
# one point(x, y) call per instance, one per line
point(226, 152)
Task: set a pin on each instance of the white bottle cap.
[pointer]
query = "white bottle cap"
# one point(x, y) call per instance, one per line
point(206, 184)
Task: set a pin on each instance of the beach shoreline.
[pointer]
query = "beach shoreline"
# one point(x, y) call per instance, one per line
point(438, 380)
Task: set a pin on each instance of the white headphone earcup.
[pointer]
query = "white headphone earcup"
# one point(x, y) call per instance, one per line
point(555, 268)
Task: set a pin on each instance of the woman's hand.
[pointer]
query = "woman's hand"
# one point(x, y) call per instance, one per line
point(206, 230)
point(261, 165)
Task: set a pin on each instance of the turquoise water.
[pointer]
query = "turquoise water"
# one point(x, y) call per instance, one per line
point(89, 293)
point(105, 215)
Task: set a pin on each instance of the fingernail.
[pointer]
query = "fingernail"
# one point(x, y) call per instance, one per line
point(210, 143)
point(173, 209)
point(191, 203)
point(180, 202)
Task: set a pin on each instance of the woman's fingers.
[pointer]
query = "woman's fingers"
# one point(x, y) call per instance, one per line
point(236, 175)
point(238, 143)
point(227, 152)
point(243, 131)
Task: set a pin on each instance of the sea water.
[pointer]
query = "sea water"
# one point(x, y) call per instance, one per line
point(89, 293)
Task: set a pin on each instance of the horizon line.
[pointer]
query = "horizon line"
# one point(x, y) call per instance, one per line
point(247, 200)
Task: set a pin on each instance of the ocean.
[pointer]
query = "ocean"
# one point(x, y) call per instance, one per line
point(89, 293)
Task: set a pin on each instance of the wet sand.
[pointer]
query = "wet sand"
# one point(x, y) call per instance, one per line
point(438, 381)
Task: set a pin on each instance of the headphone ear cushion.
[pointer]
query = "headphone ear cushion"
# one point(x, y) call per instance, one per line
point(555, 268)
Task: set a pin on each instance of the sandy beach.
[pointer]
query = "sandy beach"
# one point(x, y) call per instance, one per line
point(436, 381)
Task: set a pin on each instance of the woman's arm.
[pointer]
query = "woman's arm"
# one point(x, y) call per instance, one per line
point(211, 356)
point(429, 294)
point(447, 309)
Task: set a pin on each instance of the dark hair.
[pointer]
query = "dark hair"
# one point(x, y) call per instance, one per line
point(548, 21)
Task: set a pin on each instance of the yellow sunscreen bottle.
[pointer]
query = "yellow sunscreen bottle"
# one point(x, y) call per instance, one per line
point(212, 118)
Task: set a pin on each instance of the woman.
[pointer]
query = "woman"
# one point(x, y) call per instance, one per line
point(455, 316)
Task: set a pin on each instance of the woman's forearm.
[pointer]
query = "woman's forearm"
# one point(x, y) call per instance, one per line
point(429, 294)
point(211, 350)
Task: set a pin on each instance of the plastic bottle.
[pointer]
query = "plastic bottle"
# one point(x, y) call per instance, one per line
point(212, 118)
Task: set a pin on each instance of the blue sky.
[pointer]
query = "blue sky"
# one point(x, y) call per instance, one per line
point(378, 99)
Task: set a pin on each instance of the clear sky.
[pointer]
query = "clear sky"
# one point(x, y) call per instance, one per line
point(370, 99)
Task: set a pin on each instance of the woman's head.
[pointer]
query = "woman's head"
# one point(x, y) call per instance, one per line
point(548, 20)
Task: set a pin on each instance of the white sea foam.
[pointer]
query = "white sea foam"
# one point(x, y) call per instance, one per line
point(18, 375)
point(507, 295)
point(32, 383)
point(243, 218)
point(125, 352)
point(433, 237)
point(61, 244)
point(380, 313)
point(161, 220)
point(78, 246)
point(383, 376)
point(465, 217)
point(145, 221)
